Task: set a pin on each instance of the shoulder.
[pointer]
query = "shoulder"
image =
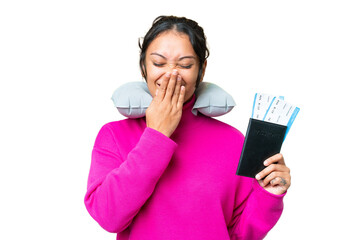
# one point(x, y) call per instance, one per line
point(125, 125)
point(220, 135)
point(122, 129)
point(222, 128)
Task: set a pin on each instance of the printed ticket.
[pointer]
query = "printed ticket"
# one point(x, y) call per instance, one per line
point(262, 102)
point(274, 109)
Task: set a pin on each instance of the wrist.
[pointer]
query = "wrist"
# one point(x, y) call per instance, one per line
point(164, 132)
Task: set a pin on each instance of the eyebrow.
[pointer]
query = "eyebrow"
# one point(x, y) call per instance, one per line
point(157, 54)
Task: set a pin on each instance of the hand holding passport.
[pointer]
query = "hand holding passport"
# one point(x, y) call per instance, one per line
point(268, 126)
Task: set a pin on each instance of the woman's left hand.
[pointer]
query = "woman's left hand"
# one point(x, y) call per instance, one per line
point(276, 175)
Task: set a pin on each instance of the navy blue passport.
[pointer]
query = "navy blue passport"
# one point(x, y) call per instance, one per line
point(262, 140)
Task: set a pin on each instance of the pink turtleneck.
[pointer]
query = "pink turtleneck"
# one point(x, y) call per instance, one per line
point(144, 185)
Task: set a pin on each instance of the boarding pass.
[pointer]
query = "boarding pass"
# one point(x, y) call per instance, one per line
point(274, 109)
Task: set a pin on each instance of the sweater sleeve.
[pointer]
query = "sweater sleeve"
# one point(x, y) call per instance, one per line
point(117, 187)
point(257, 215)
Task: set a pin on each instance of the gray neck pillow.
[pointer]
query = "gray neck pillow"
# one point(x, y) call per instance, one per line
point(133, 98)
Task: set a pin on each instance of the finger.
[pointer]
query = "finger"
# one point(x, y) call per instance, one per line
point(171, 85)
point(273, 176)
point(181, 99)
point(272, 168)
point(277, 158)
point(162, 89)
point(176, 95)
point(278, 181)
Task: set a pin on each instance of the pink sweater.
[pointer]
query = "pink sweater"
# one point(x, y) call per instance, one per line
point(144, 185)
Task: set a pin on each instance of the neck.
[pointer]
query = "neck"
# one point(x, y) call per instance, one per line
point(188, 120)
point(189, 103)
point(187, 115)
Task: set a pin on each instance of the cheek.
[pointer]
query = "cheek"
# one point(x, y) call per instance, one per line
point(189, 81)
point(154, 73)
point(189, 78)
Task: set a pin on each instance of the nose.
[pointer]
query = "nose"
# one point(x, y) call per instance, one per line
point(171, 66)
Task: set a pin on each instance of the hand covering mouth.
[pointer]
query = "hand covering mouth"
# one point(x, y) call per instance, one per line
point(159, 85)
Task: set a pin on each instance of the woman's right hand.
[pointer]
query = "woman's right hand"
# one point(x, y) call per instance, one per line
point(165, 110)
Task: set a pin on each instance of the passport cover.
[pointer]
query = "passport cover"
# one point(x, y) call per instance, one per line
point(263, 140)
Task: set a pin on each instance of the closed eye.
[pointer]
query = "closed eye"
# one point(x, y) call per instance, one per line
point(182, 66)
point(158, 64)
point(186, 66)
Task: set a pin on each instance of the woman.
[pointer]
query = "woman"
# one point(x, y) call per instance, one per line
point(171, 174)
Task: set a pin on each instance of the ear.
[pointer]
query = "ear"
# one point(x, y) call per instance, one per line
point(203, 71)
point(143, 71)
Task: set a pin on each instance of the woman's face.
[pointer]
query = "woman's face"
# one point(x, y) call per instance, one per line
point(168, 51)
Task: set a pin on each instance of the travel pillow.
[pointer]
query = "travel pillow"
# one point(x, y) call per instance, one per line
point(133, 98)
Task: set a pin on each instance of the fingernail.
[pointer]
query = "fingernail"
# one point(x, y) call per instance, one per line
point(175, 72)
point(178, 77)
point(167, 74)
point(257, 176)
point(265, 162)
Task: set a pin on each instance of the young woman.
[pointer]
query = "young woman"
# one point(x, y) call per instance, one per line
point(171, 174)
